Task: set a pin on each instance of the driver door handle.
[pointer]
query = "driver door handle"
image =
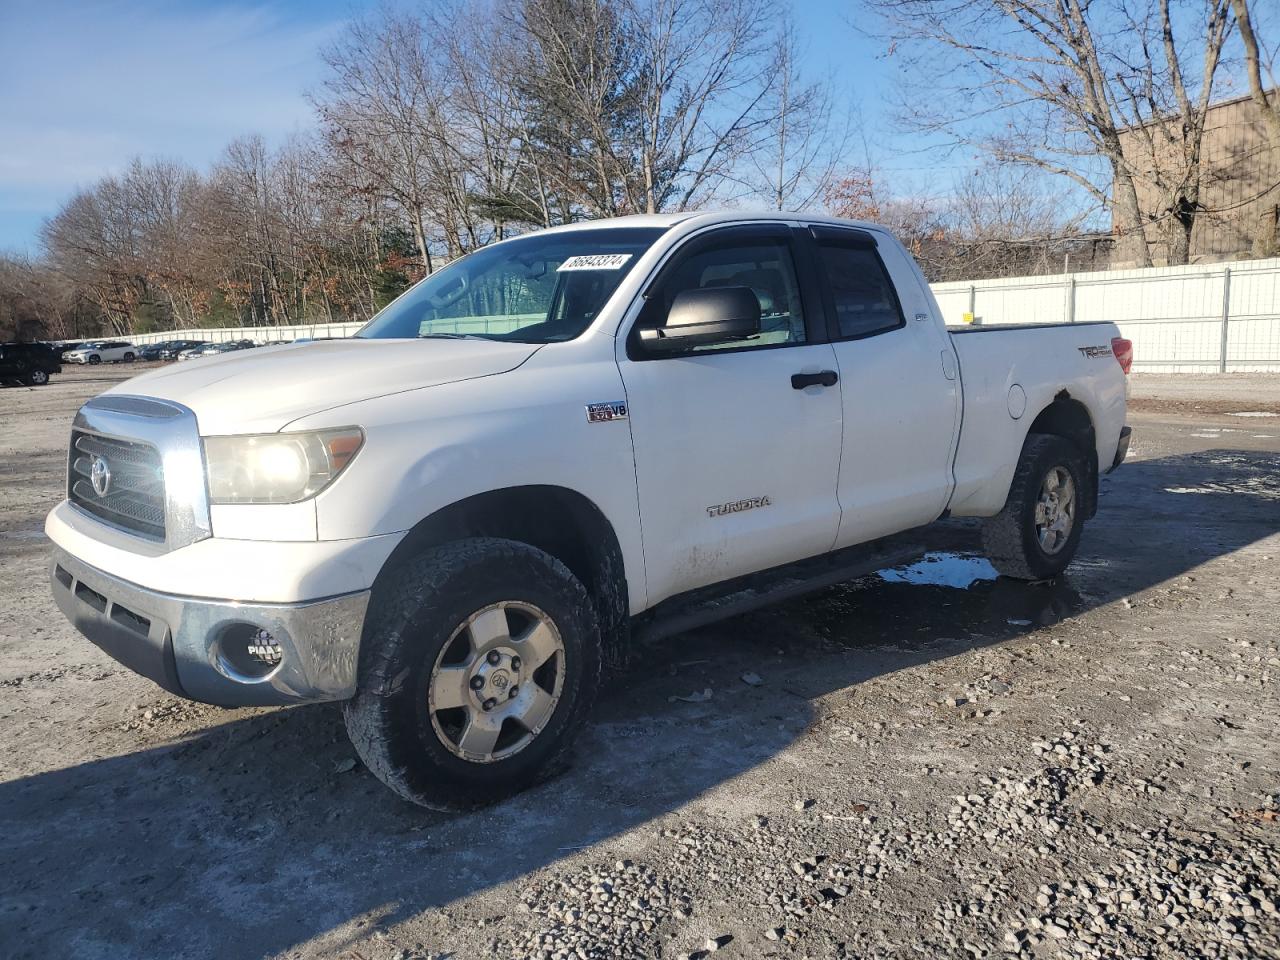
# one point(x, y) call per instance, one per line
point(823, 378)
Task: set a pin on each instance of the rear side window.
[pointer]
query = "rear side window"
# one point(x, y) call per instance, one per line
point(862, 293)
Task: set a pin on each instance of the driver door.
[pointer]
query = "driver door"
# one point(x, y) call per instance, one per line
point(736, 466)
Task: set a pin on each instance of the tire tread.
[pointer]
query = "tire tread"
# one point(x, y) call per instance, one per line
point(370, 724)
point(1004, 536)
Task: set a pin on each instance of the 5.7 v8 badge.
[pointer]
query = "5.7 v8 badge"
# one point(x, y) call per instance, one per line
point(605, 412)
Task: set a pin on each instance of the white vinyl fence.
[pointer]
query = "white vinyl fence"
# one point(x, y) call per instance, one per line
point(295, 331)
point(1196, 319)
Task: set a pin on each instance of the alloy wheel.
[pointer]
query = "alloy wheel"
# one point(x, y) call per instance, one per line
point(496, 683)
point(1055, 513)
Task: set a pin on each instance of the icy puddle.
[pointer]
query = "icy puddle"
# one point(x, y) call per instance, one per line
point(942, 570)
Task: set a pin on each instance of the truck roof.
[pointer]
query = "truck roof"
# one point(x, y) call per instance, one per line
point(668, 220)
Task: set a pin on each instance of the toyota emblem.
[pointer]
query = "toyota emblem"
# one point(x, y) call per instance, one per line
point(100, 476)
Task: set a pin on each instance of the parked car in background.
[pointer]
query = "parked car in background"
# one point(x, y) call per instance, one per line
point(175, 347)
point(168, 349)
point(200, 350)
point(233, 345)
point(102, 351)
point(212, 349)
point(67, 346)
point(28, 363)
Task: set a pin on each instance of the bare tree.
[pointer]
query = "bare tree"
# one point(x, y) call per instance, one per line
point(441, 131)
point(376, 105)
point(803, 143)
point(703, 88)
point(1063, 84)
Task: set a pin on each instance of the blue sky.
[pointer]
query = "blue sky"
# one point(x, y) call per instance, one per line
point(86, 86)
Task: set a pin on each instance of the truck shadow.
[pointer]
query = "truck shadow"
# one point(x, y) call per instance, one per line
point(255, 836)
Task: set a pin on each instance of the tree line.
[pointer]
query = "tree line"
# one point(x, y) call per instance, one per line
point(437, 132)
point(442, 129)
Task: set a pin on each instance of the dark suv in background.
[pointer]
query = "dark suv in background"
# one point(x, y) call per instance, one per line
point(29, 363)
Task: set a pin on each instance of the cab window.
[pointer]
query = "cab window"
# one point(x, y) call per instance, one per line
point(764, 267)
point(862, 293)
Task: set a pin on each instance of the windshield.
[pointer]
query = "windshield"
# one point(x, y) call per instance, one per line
point(543, 288)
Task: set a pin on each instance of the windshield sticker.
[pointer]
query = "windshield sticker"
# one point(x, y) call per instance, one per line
point(595, 261)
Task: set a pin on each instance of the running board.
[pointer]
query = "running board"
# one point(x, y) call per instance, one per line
point(697, 608)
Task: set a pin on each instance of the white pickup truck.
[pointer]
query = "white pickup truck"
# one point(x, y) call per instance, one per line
point(558, 443)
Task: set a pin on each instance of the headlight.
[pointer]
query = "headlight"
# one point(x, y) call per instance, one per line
point(277, 467)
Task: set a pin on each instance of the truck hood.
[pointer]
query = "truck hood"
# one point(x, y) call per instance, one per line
point(262, 390)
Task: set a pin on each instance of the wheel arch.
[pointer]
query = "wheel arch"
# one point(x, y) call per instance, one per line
point(557, 520)
point(1069, 418)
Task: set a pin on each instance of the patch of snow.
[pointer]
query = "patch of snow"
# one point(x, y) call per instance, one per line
point(942, 570)
point(1254, 413)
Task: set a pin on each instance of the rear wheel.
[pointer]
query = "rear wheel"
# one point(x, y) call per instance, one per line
point(1037, 533)
point(36, 378)
point(129, 358)
point(479, 662)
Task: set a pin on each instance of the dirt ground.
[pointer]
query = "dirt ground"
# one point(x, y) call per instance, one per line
point(1080, 769)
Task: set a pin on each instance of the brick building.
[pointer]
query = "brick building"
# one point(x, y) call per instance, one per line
point(1241, 188)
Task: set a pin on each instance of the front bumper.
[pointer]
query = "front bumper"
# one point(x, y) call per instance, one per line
point(194, 647)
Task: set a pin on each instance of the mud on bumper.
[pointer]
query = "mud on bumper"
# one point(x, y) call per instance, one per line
point(216, 651)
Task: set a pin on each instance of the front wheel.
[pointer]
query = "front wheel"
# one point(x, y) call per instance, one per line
point(479, 662)
point(95, 359)
point(37, 378)
point(1037, 533)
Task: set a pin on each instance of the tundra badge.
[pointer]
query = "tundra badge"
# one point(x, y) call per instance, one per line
point(737, 506)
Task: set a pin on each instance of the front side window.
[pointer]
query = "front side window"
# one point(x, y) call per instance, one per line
point(764, 267)
point(861, 291)
point(543, 288)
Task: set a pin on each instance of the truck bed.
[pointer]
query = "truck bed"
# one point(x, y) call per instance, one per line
point(987, 327)
point(1008, 380)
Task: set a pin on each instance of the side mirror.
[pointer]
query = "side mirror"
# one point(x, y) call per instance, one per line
point(704, 316)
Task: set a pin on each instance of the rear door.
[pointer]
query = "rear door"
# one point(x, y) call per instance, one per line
point(736, 466)
point(898, 385)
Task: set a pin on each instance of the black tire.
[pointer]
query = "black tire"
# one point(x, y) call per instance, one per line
point(36, 378)
point(1010, 537)
point(413, 618)
point(95, 359)
point(129, 358)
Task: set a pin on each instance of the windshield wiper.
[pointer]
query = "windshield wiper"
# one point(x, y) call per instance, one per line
point(451, 336)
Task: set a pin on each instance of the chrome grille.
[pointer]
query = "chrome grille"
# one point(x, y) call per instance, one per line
point(134, 498)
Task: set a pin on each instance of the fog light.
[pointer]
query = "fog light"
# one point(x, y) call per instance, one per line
point(248, 651)
point(263, 647)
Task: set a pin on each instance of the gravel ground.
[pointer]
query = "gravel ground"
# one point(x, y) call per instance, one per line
point(890, 768)
point(1246, 395)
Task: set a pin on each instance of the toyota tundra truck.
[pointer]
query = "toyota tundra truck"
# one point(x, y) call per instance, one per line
point(455, 520)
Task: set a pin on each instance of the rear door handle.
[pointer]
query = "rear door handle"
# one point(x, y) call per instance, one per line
point(823, 378)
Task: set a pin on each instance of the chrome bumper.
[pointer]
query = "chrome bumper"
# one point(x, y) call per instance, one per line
point(185, 644)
